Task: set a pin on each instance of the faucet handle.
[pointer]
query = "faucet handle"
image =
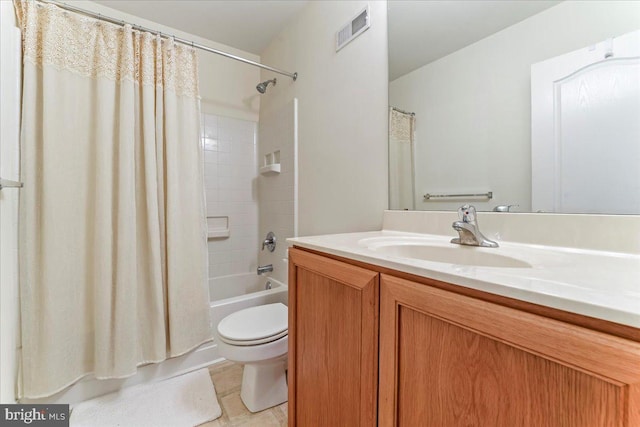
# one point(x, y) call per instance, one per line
point(269, 242)
point(504, 208)
point(467, 213)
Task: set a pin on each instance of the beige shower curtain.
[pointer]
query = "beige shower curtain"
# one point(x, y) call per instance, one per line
point(113, 261)
point(401, 162)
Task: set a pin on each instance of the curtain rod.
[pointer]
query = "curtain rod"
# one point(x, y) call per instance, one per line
point(402, 111)
point(65, 6)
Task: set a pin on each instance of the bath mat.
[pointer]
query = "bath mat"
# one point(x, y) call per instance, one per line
point(184, 401)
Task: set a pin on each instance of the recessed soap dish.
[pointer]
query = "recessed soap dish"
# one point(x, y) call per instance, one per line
point(271, 163)
point(270, 169)
point(217, 227)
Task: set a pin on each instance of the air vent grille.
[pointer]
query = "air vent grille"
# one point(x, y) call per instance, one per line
point(358, 25)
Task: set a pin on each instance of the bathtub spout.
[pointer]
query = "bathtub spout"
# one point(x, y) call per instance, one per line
point(265, 269)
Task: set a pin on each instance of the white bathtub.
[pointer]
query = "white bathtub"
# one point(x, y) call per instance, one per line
point(227, 295)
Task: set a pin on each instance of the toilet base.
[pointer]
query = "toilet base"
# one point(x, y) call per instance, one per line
point(264, 384)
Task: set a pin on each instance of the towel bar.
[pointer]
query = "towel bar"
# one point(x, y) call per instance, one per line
point(488, 195)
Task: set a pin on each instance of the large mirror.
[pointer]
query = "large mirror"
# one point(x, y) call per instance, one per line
point(527, 103)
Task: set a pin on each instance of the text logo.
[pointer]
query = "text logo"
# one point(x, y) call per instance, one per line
point(34, 415)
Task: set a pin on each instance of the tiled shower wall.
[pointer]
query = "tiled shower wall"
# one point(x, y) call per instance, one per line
point(277, 192)
point(230, 169)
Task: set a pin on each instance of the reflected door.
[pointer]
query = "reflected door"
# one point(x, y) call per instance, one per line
point(586, 129)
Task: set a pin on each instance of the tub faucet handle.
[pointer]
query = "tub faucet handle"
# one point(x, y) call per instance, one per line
point(269, 242)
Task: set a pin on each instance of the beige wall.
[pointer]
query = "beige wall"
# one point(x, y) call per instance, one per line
point(473, 107)
point(342, 115)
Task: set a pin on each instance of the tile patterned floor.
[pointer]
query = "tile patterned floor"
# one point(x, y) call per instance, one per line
point(227, 378)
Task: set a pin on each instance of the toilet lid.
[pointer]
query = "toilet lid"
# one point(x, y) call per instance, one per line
point(255, 323)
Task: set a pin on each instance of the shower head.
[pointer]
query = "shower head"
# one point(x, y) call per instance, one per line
point(262, 87)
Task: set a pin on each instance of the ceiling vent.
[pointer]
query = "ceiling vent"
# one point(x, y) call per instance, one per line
point(356, 26)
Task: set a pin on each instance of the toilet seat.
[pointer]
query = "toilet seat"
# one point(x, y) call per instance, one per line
point(253, 342)
point(255, 325)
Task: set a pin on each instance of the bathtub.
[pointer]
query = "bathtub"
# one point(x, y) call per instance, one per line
point(227, 294)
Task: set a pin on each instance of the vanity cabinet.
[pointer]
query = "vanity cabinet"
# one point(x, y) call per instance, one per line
point(445, 358)
point(333, 342)
point(451, 360)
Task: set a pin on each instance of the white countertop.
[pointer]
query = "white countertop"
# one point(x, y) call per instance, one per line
point(600, 284)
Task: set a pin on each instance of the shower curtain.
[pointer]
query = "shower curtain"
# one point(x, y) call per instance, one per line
point(401, 149)
point(113, 256)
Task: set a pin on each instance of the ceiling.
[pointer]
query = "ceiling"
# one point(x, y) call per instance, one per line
point(248, 25)
point(423, 31)
point(420, 31)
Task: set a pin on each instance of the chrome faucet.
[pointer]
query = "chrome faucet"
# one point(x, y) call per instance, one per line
point(467, 228)
point(265, 269)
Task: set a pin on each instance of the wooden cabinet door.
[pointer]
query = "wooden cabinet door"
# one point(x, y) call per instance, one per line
point(450, 360)
point(333, 342)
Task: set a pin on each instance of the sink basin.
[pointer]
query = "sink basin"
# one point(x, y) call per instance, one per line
point(460, 255)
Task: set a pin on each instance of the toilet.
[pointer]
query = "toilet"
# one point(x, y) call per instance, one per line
point(258, 338)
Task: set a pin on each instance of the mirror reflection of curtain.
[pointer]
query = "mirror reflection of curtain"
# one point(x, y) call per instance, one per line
point(401, 153)
point(113, 250)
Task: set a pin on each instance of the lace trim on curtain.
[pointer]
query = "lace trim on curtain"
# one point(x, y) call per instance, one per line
point(96, 49)
point(401, 126)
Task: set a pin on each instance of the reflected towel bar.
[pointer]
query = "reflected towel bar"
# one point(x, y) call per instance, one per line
point(7, 183)
point(488, 195)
